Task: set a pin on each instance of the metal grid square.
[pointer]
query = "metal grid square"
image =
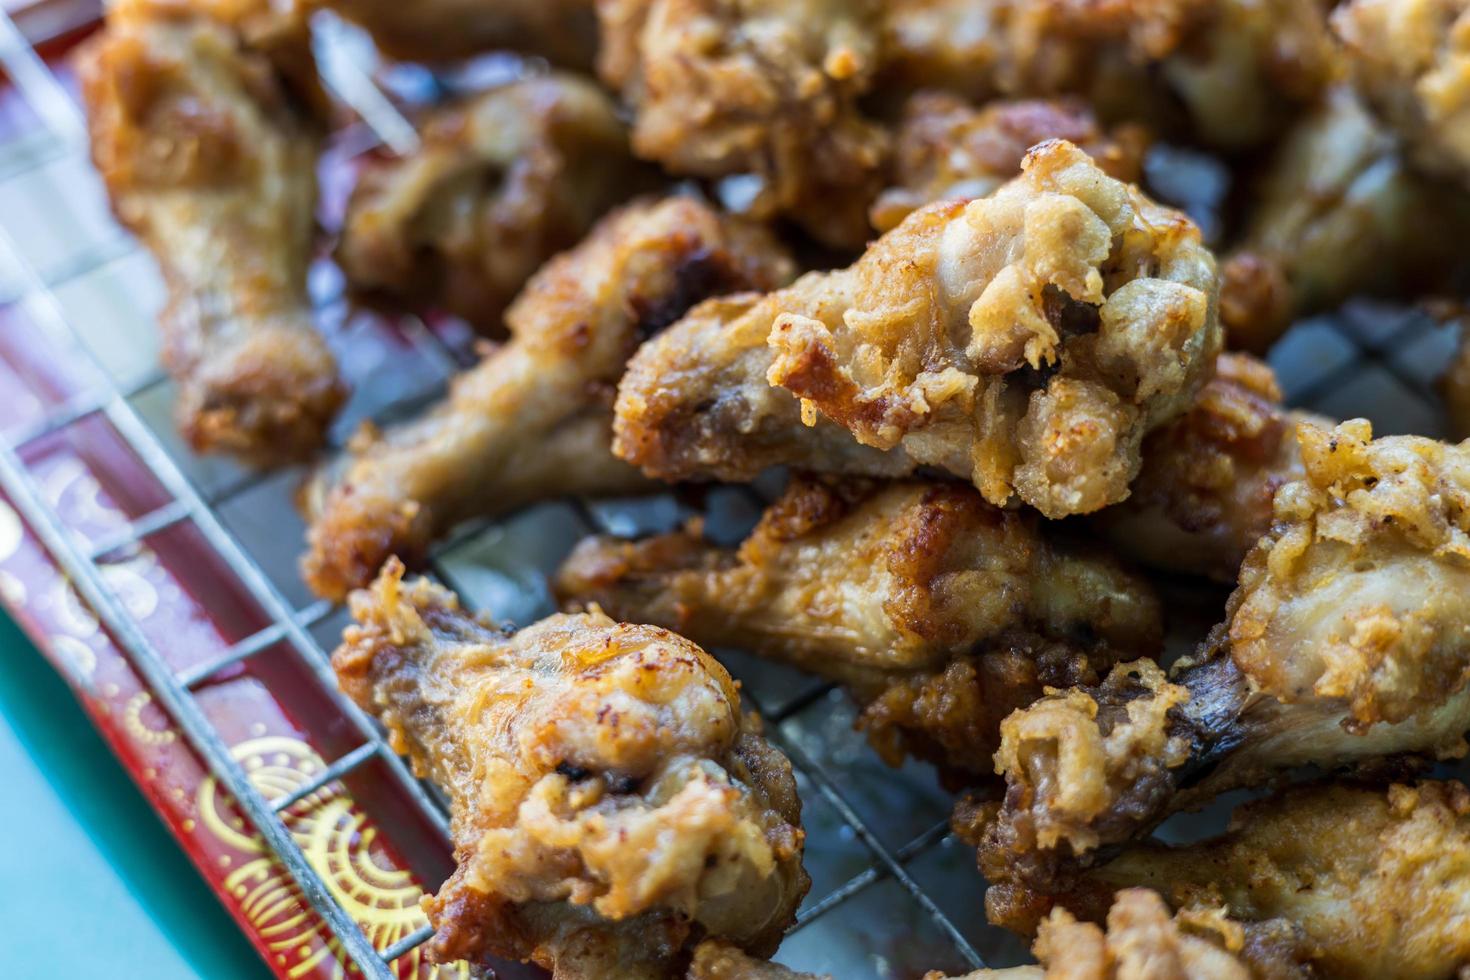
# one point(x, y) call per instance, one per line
point(890, 886)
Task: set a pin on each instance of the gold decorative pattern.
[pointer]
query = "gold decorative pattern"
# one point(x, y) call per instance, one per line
point(133, 722)
point(337, 840)
point(80, 658)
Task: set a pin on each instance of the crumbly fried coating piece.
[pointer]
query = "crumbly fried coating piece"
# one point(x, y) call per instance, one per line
point(1026, 341)
point(1143, 940)
point(1345, 643)
point(1410, 60)
point(948, 149)
point(499, 184)
point(938, 611)
point(205, 124)
point(1337, 214)
point(763, 89)
point(1240, 69)
point(532, 420)
point(1203, 498)
point(1378, 881)
point(562, 31)
point(611, 805)
point(715, 960)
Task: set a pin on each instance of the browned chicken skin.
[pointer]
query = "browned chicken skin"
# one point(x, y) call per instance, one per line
point(1144, 941)
point(1026, 341)
point(949, 149)
point(1203, 498)
point(940, 613)
point(611, 803)
point(714, 960)
point(1378, 882)
point(205, 124)
point(1410, 60)
point(562, 31)
point(499, 184)
point(761, 88)
point(1337, 213)
point(1344, 643)
point(532, 419)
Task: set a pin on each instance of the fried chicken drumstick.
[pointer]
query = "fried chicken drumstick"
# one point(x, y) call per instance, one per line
point(1026, 341)
point(499, 185)
point(205, 123)
point(1378, 882)
point(1345, 642)
point(761, 88)
point(611, 804)
point(940, 613)
point(532, 420)
point(562, 31)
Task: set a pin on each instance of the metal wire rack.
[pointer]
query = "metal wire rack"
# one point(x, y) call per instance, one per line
point(880, 851)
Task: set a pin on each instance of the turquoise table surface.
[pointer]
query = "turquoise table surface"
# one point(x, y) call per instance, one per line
point(91, 883)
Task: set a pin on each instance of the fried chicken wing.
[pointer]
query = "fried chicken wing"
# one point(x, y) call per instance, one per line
point(205, 125)
point(499, 184)
point(1378, 882)
point(532, 419)
point(1027, 341)
point(1338, 214)
point(1240, 68)
point(1345, 642)
point(1203, 498)
point(1410, 60)
point(939, 612)
point(764, 89)
point(562, 31)
point(611, 803)
point(1144, 941)
point(948, 149)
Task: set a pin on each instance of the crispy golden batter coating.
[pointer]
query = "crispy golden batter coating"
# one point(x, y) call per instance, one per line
point(205, 126)
point(939, 612)
point(1345, 642)
point(1143, 941)
point(611, 804)
point(714, 960)
point(760, 88)
point(499, 184)
point(1240, 68)
point(562, 31)
point(948, 149)
point(1410, 60)
point(532, 419)
point(1026, 341)
point(1379, 882)
point(1203, 498)
point(1338, 214)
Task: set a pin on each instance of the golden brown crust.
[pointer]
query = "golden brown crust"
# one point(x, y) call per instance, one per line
point(939, 612)
point(498, 185)
point(1344, 643)
point(1256, 302)
point(610, 801)
point(1376, 881)
point(1203, 498)
point(949, 149)
point(205, 127)
point(562, 31)
point(766, 89)
point(720, 961)
point(532, 420)
point(1026, 341)
point(1340, 214)
point(1410, 61)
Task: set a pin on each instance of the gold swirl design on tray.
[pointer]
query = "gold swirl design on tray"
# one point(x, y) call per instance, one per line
point(337, 840)
point(139, 729)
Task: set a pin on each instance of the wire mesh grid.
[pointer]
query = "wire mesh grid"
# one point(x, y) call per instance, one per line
point(893, 895)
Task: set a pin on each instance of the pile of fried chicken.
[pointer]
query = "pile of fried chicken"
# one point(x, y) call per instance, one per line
point(922, 256)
